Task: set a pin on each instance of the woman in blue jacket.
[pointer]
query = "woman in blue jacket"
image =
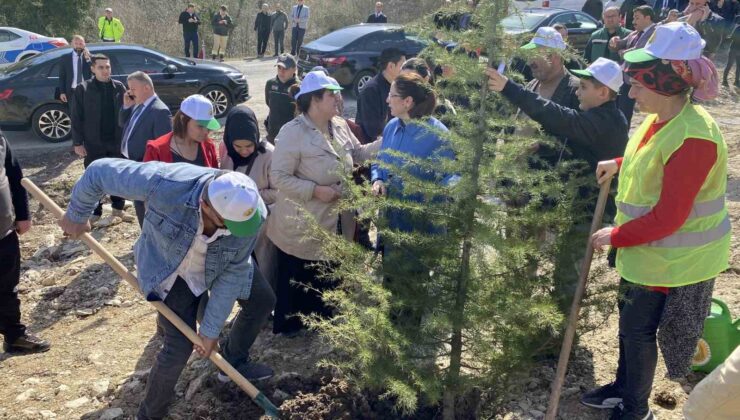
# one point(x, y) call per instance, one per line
point(414, 133)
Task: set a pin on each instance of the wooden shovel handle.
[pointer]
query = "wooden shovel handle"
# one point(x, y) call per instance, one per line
point(575, 308)
point(122, 271)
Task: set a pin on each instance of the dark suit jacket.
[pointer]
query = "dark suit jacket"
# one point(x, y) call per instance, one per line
point(66, 75)
point(372, 109)
point(86, 111)
point(154, 122)
point(379, 19)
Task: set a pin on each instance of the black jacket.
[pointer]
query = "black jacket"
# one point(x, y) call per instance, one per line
point(598, 134)
point(188, 27)
point(263, 22)
point(86, 118)
point(372, 109)
point(218, 28)
point(66, 74)
point(281, 104)
point(13, 197)
point(594, 8)
point(154, 122)
point(377, 19)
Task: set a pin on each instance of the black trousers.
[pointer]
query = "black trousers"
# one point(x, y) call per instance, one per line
point(262, 38)
point(117, 203)
point(293, 299)
point(625, 103)
point(732, 58)
point(10, 274)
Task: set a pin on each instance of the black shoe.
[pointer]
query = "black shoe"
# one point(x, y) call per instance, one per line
point(619, 413)
point(252, 371)
point(604, 397)
point(27, 344)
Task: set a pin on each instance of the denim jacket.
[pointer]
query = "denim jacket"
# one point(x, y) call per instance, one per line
point(172, 192)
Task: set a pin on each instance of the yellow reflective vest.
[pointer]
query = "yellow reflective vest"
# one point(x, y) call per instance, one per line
point(110, 30)
point(700, 248)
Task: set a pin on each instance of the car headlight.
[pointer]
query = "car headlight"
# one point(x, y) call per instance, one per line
point(238, 78)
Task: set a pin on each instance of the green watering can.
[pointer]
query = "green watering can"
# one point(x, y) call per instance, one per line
point(720, 338)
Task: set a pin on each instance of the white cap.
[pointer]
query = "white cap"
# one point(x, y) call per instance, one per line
point(199, 108)
point(670, 41)
point(546, 37)
point(108, 9)
point(605, 71)
point(236, 199)
point(317, 80)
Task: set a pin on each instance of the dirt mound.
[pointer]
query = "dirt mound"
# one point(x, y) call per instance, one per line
point(337, 399)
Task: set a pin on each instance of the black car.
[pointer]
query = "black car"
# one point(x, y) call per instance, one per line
point(29, 89)
point(580, 25)
point(351, 54)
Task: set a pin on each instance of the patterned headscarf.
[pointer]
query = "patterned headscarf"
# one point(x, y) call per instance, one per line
point(672, 77)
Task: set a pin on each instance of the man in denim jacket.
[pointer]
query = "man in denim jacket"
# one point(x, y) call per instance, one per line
point(198, 234)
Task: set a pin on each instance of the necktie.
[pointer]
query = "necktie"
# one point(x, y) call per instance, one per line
point(78, 79)
point(298, 14)
point(129, 129)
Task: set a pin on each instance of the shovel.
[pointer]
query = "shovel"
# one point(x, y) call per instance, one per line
point(255, 394)
point(575, 308)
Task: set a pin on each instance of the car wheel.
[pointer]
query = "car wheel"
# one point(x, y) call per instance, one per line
point(361, 80)
point(52, 123)
point(220, 99)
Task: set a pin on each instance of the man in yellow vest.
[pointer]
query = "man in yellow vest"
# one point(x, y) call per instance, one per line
point(673, 231)
point(110, 28)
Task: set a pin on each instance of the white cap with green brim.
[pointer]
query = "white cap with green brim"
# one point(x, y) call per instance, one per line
point(317, 80)
point(670, 41)
point(236, 198)
point(546, 37)
point(605, 71)
point(199, 108)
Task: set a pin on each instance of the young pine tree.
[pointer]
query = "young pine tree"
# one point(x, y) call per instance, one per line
point(462, 300)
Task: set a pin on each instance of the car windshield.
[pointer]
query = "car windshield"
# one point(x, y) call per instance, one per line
point(342, 37)
point(522, 22)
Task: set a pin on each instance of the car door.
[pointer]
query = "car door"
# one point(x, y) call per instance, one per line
point(579, 27)
point(11, 45)
point(172, 87)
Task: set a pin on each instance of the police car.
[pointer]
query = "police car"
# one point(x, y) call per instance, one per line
point(17, 44)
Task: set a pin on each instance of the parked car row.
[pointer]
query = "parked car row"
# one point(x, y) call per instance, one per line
point(29, 89)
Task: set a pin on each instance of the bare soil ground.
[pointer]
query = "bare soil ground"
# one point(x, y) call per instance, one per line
point(103, 333)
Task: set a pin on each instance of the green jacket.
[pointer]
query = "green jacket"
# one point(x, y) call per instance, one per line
point(110, 29)
point(598, 45)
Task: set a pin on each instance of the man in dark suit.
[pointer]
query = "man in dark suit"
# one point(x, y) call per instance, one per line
point(372, 108)
point(75, 67)
point(143, 117)
point(378, 16)
point(95, 130)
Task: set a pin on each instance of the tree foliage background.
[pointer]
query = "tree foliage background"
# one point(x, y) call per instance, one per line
point(47, 17)
point(463, 303)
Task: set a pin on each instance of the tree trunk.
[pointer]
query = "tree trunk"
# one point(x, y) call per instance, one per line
point(470, 201)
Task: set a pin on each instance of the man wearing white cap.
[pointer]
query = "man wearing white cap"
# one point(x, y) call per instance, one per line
point(199, 231)
point(551, 81)
point(597, 132)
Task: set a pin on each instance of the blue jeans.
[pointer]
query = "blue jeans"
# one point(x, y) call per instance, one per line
point(296, 40)
point(176, 350)
point(189, 37)
point(640, 311)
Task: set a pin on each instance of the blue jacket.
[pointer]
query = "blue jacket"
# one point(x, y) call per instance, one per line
point(415, 140)
point(172, 192)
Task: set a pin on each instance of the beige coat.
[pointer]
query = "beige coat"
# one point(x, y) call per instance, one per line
point(303, 159)
point(260, 172)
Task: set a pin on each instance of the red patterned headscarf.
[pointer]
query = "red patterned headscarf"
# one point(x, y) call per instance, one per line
point(672, 77)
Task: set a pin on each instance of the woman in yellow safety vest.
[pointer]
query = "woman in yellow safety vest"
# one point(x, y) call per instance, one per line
point(673, 232)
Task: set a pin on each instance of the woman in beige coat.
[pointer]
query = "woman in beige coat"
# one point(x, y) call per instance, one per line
point(311, 153)
point(242, 151)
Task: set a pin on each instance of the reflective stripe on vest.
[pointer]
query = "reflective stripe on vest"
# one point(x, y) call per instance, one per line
point(706, 208)
point(688, 239)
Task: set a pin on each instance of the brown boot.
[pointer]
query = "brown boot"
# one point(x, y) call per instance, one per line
point(27, 343)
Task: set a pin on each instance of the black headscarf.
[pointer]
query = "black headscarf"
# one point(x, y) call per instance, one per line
point(241, 124)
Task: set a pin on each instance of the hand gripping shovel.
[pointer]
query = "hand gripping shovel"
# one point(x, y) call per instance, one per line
point(575, 308)
point(258, 397)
